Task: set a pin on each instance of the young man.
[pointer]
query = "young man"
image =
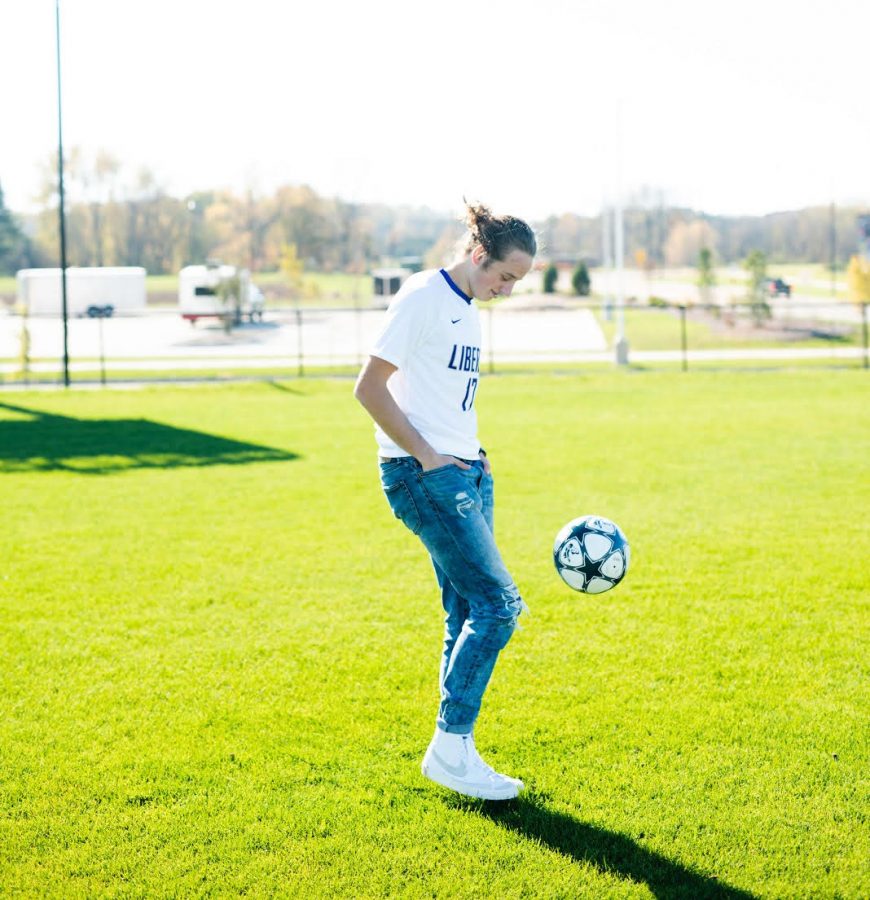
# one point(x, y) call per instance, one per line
point(420, 387)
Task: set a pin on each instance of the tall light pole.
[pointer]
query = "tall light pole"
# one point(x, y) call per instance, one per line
point(606, 261)
point(833, 251)
point(621, 345)
point(61, 205)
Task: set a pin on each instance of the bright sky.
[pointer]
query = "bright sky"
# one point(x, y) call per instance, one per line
point(535, 107)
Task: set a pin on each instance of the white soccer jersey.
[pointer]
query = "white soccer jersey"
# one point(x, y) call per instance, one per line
point(432, 336)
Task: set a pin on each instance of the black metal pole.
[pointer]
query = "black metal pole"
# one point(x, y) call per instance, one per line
point(102, 352)
point(60, 207)
point(684, 341)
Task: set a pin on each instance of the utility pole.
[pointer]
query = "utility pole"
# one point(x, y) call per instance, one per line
point(621, 345)
point(60, 207)
point(606, 261)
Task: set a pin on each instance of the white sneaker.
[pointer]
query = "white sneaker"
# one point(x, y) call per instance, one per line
point(452, 761)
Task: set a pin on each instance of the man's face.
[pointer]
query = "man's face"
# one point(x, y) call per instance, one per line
point(499, 277)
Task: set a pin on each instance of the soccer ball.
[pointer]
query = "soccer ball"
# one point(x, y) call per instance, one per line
point(591, 554)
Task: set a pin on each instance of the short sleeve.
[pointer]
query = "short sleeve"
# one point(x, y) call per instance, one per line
point(402, 330)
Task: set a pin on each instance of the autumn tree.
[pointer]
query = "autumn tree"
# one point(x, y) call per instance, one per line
point(706, 275)
point(110, 220)
point(756, 265)
point(858, 280)
point(226, 221)
point(685, 241)
point(12, 242)
point(292, 267)
point(199, 237)
point(229, 291)
point(98, 185)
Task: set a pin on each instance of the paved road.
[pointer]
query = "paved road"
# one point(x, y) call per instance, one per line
point(327, 337)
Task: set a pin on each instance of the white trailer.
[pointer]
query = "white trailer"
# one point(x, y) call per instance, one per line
point(199, 295)
point(90, 291)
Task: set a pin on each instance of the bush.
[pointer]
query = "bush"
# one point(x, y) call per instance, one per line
point(580, 281)
point(551, 276)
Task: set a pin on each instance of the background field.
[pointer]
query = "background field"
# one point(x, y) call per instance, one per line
point(343, 289)
point(218, 649)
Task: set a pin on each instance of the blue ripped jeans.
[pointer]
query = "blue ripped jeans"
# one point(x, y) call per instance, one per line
point(451, 511)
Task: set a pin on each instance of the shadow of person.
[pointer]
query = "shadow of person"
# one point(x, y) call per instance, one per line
point(609, 851)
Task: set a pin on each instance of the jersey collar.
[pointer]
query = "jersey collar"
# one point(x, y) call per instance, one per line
point(454, 287)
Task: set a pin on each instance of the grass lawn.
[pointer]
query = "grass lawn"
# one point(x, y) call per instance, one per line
point(344, 289)
point(218, 650)
point(659, 329)
point(325, 287)
point(319, 289)
point(118, 377)
point(806, 279)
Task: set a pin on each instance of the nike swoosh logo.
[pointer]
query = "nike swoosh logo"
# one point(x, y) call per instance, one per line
point(454, 321)
point(459, 771)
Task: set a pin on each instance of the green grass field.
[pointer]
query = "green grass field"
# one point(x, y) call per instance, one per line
point(806, 278)
point(660, 329)
point(319, 289)
point(116, 377)
point(218, 650)
point(345, 289)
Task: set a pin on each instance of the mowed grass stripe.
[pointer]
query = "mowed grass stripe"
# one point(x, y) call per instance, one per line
point(219, 649)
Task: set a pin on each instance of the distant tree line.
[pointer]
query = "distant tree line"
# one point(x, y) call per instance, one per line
point(669, 236)
point(113, 219)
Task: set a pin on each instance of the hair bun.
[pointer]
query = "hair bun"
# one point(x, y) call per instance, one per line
point(498, 235)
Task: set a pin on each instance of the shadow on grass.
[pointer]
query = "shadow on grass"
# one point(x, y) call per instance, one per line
point(609, 851)
point(36, 441)
point(281, 386)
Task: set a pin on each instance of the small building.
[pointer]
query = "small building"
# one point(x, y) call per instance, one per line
point(386, 282)
point(864, 236)
point(411, 263)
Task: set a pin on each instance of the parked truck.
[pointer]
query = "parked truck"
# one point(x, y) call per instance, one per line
point(218, 291)
point(90, 291)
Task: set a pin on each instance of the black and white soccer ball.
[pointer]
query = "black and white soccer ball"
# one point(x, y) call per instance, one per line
point(591, 554)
